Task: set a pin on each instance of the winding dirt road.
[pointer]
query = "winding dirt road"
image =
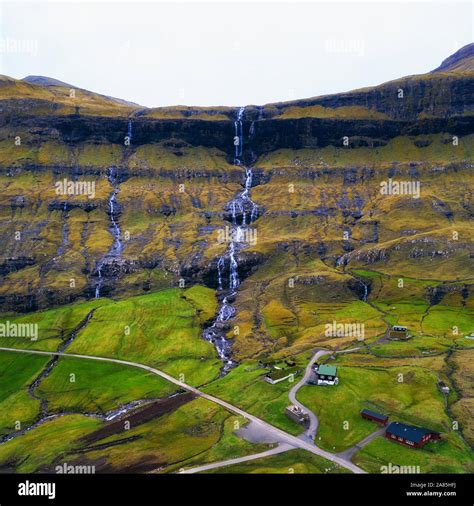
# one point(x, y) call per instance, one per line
point(310, 432)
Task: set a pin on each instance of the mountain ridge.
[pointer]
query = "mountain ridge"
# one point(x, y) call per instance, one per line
point(459, 63)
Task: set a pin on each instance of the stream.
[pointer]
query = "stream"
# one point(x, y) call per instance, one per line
point(113, 211)
point(243, 212)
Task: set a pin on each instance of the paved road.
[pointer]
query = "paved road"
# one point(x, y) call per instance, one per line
point(310, 432)
point(274, 451)
point(349, 453)
point(287, 438)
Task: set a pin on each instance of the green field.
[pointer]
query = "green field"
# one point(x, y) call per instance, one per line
point(46, 444)
point(162, 329)
point(196, 433)
point(244, 387)
point(98, 387)
point(446, 456)
point(17, 372)
point(54, 325)
point(415, 400)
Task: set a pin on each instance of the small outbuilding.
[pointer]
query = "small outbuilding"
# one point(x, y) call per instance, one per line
point(398, 332)
point(277, 375)
point(374, 416)
point(297, 414)
point(410, 435)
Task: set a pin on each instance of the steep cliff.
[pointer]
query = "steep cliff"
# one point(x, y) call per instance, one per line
point(318, 166)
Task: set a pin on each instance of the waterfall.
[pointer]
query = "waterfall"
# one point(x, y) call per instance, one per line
point(239, 136)
point(129, 130)
point(365, 292)
point(234, 274)
point(98, 286)
point(220, 266)
point(242, 209)
point(117, 246)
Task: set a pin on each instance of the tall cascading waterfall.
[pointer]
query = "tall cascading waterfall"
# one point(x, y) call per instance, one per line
point(243, 211)
point(117, 246)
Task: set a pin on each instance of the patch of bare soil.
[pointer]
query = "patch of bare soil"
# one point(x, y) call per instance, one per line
point(138, 417)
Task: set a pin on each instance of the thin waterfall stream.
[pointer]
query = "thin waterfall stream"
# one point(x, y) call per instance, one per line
point(243, 212)
point(117, 246)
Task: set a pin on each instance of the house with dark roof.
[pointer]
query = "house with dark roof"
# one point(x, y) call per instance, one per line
point(409, 435)
point(374, 416)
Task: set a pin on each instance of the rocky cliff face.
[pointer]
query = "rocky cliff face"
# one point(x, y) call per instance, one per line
point(318, 165)
point(428, 106)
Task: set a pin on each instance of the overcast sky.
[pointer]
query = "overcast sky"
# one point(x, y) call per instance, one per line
point(225, 53)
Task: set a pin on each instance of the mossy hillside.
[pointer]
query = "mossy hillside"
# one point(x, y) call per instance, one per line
point(54, 325)
point(162, 329)
point(87, 386)
point(429, 255)
point(186, 112)
point(417, 232)
point(51, 152)
point(176, 226)
point(203, 302)
point(195, 433)
point(462, 378)
point(33, 99)
point(165, 217)
point(402, 149)
point(159, 220)
point(17, 372)
point(178, 157)
point(434, 94)
point(33, 207)
point(344, 112)
point(335, 196)
point(40, 150)
point(283, 308)
point(46, 444)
